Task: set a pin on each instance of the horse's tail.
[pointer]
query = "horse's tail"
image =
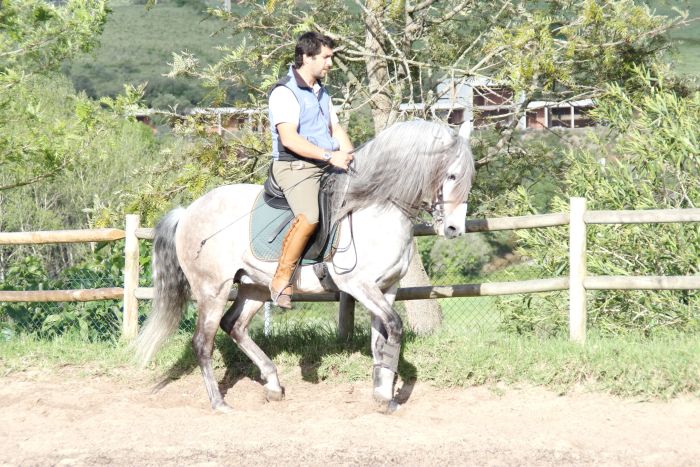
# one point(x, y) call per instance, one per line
point(170, 290)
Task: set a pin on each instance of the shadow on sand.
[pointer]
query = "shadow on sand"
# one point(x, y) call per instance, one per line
point(311, 344)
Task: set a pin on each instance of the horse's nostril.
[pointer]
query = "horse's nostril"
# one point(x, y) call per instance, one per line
point(450, 231)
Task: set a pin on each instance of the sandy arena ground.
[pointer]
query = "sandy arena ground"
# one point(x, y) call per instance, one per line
point(73, 418)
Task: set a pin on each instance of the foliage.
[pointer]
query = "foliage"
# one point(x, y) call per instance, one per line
point(648, 160)
point(686, 39)
point(389, 55)
point(67, 163)
point(92, 320)
point(459, 258)
point(196, 161)
point(36, 36)
point(63, 157)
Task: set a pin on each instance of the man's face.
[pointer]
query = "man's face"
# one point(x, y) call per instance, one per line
point(320, 64)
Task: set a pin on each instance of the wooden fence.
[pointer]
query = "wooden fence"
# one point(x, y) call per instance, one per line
point(577, 283)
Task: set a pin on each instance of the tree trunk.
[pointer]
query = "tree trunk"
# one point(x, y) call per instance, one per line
point(377, 67)
point(423, 316)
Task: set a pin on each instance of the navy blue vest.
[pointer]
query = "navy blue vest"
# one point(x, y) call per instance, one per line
point(314, 117)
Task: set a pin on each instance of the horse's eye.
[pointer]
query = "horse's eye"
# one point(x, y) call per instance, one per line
point(452, 178)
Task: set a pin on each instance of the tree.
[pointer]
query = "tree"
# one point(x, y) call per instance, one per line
point(648, 158)
point(62, 154)
point(394, 52)
point(35, 38)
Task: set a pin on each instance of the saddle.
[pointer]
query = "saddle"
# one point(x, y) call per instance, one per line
point(272, 217)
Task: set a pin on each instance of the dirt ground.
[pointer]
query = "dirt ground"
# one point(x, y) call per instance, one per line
point(73, 418)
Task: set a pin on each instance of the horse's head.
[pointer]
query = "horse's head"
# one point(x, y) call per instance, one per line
point(449, 207)
point(413, 165)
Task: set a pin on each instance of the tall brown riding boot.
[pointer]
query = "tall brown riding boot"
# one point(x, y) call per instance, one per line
point(292, 247)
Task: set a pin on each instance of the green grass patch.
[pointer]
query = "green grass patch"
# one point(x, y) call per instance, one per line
point(631, 366)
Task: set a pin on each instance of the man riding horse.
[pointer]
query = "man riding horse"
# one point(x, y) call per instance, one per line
point(306, 138)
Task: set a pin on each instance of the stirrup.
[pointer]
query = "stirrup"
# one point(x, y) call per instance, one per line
point(282, 299)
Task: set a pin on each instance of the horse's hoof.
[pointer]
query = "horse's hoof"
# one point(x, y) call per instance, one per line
point(386, 407)
point(222, 407)
point(274, 394)
point(381, 397)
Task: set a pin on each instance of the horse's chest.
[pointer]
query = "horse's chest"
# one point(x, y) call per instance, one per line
point(399, 268)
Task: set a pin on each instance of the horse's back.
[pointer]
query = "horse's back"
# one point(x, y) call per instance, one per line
point(214, 229)
point(227, 196)
point(222, 205)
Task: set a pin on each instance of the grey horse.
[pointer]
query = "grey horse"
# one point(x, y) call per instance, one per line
point(201, 251)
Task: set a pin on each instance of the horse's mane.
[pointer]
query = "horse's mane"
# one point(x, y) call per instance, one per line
point(403, 165)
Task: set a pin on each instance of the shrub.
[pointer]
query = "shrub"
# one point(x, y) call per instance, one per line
point(650, 160)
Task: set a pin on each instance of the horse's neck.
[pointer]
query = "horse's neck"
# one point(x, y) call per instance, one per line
point(379, 221)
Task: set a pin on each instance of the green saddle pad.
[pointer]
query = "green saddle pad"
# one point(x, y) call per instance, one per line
point(266, 236)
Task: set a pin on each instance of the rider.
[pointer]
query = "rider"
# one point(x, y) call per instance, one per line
point(306, 137)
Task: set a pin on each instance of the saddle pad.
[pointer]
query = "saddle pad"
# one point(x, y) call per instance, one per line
point(266, 236)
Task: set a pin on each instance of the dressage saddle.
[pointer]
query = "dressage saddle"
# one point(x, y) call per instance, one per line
point(318, 244)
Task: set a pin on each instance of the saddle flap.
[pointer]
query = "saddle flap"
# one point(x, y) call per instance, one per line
point(269, 223)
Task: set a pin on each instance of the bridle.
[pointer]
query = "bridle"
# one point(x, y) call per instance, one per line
point(436, 209)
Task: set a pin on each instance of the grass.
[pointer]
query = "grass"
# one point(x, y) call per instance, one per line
point(649, 368)
point(687, 38)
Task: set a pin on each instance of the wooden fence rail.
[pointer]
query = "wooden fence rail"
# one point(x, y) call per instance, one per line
point(578, 282)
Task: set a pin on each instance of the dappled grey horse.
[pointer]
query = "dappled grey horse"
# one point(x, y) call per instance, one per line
point(201, 251)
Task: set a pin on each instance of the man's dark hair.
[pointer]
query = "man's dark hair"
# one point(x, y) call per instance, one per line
point(310, 44)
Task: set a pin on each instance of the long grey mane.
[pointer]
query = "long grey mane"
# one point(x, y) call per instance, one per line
point(404, 165)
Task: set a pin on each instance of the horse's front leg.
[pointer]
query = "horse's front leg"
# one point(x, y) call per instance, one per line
point(387, 330)
point(382, 377)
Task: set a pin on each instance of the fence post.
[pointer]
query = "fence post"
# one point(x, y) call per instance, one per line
point(130, 319)
point(577, 270)
point(346, 317)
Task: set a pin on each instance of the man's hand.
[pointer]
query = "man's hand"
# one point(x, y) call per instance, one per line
point(340, 159)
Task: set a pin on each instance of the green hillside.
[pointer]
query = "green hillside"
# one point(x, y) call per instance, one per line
point(687, 38)
point(137, 45)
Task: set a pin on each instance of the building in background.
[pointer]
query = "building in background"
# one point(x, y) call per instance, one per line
point(480, 102)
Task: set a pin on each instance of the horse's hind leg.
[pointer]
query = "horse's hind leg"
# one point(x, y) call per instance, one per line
point(235, 322)
point(209, 312)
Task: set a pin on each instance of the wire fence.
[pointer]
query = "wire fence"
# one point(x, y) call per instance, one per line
point(62, 267)
point(475, 258)
point(102, 266)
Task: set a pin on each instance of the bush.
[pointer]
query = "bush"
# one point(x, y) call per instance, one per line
point(650, 160)
point(461, 257)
